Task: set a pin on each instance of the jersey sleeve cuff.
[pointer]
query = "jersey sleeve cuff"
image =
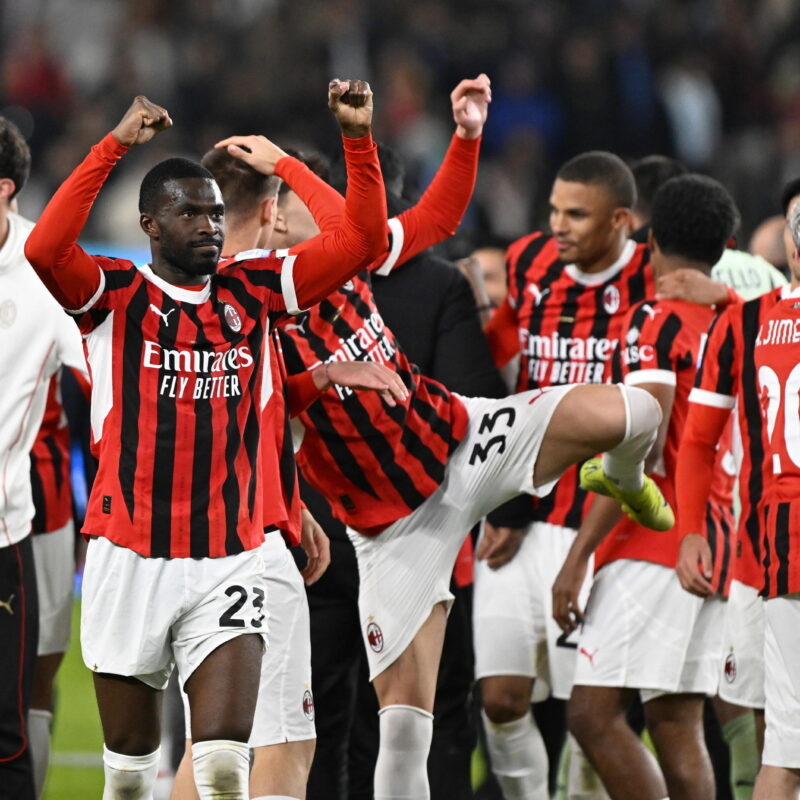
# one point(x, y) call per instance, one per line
point(287, 166)
point(663, 376)
point(704, 397)
point(363, 144)
point(93, 299)
point(110, 149)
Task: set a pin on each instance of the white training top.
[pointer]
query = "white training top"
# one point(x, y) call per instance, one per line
point(36, 337)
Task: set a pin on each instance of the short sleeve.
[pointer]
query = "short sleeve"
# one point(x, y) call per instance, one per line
point(647, 345)
point(718, 374)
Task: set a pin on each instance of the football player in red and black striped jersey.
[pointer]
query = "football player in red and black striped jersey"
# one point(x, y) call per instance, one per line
point(641, 630)
point(180, 376)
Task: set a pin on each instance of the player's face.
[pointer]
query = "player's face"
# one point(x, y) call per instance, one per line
point(584, 221)
point(493, 267)
point(788, 242)
point(190, 225)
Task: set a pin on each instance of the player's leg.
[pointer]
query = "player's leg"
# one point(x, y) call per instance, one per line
point(597, 719)
point(675, 723)
point(55, 569)
point(18, 634)
point(622, 423)
point(779, 777)
point(222, 712)
point(281, 770)
point(406, 690)
point(738, 727)
point(510, 646)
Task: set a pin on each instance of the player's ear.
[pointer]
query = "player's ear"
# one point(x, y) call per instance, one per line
point(7, 189)
point(280, 221)
point(621, 218)
point(269, 211)
point(652, 244)
point(149, 225)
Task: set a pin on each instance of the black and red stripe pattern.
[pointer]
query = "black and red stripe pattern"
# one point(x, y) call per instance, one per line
point(375, 464)
point(179, 383)
point(728, 375)
point(52, 496)
point(568, 325)
point(661, 343)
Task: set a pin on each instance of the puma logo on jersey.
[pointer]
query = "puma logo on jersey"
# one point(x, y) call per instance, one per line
point(6, 604)
point(538, 295)
point(584, 652)
point(650, 311)
point(297, 326)
point(161, 313)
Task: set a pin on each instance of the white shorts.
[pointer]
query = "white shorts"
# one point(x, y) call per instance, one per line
point(285, 707)
point(54, 556)
point(742, 663)
point(142, 616)
point(514, 629)
point(405, 570)
point(782, 682)
point(643, 631)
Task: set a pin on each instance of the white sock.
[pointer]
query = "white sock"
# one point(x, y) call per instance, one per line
point(401, 772)
point(221, 769)
point(624, 464)
point(129, 777)
point(583, 783)
point(518, 756)
point(40, 724)
point(274, 797)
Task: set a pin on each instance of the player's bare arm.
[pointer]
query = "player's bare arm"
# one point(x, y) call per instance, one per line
point(316, 546)
point(602, 516)
point(499, 545)
point(694, 565)
point(142, 121)
point(256, 151)
point(470, 100)
point(693, 286)
point(365, 375)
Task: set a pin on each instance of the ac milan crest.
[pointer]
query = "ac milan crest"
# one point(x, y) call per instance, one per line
point(730, 667)
point(611, 299)
point(375, 637)
point(232, 318)
point(308, 705)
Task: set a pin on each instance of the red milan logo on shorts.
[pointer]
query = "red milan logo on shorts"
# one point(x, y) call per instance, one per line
point(730, 668)
point(375, 637)
point(611, 299)
point(308, 705)
point(232, 318)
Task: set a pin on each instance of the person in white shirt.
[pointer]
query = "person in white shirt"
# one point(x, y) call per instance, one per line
point(36, 337)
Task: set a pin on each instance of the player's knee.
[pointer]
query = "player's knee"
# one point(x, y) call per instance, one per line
point(502, 704)
point(129, 777)
point(221, 769)
point(583, 720)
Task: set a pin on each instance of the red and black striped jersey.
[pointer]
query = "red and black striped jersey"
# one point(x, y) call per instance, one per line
point(374, 464)
point(568, 324)
point(727, 379)
point(50, 478)
point(661, 342)
point(180, 379)
point(281, 508)
point(778, 370)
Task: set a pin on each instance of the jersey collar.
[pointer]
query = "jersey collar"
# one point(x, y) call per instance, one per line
point(177, 293)
point(598, 278)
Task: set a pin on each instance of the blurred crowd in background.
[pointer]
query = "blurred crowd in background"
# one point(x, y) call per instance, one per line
point(715, 83)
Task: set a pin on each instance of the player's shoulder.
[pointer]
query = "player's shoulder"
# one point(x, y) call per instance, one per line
point(535, 251)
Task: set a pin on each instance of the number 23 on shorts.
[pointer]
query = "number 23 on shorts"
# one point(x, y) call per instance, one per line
point(247, 607)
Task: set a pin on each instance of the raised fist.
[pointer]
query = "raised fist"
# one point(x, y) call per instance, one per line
point(142, 121)
point(351, 103)
point(470, 101)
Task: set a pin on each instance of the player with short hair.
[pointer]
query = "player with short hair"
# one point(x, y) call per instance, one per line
point(180, 378)
point(726, 381)
point(641, 631)
point(410, 480)
point(568, 292)
point(36, 339)
point(776, 369)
